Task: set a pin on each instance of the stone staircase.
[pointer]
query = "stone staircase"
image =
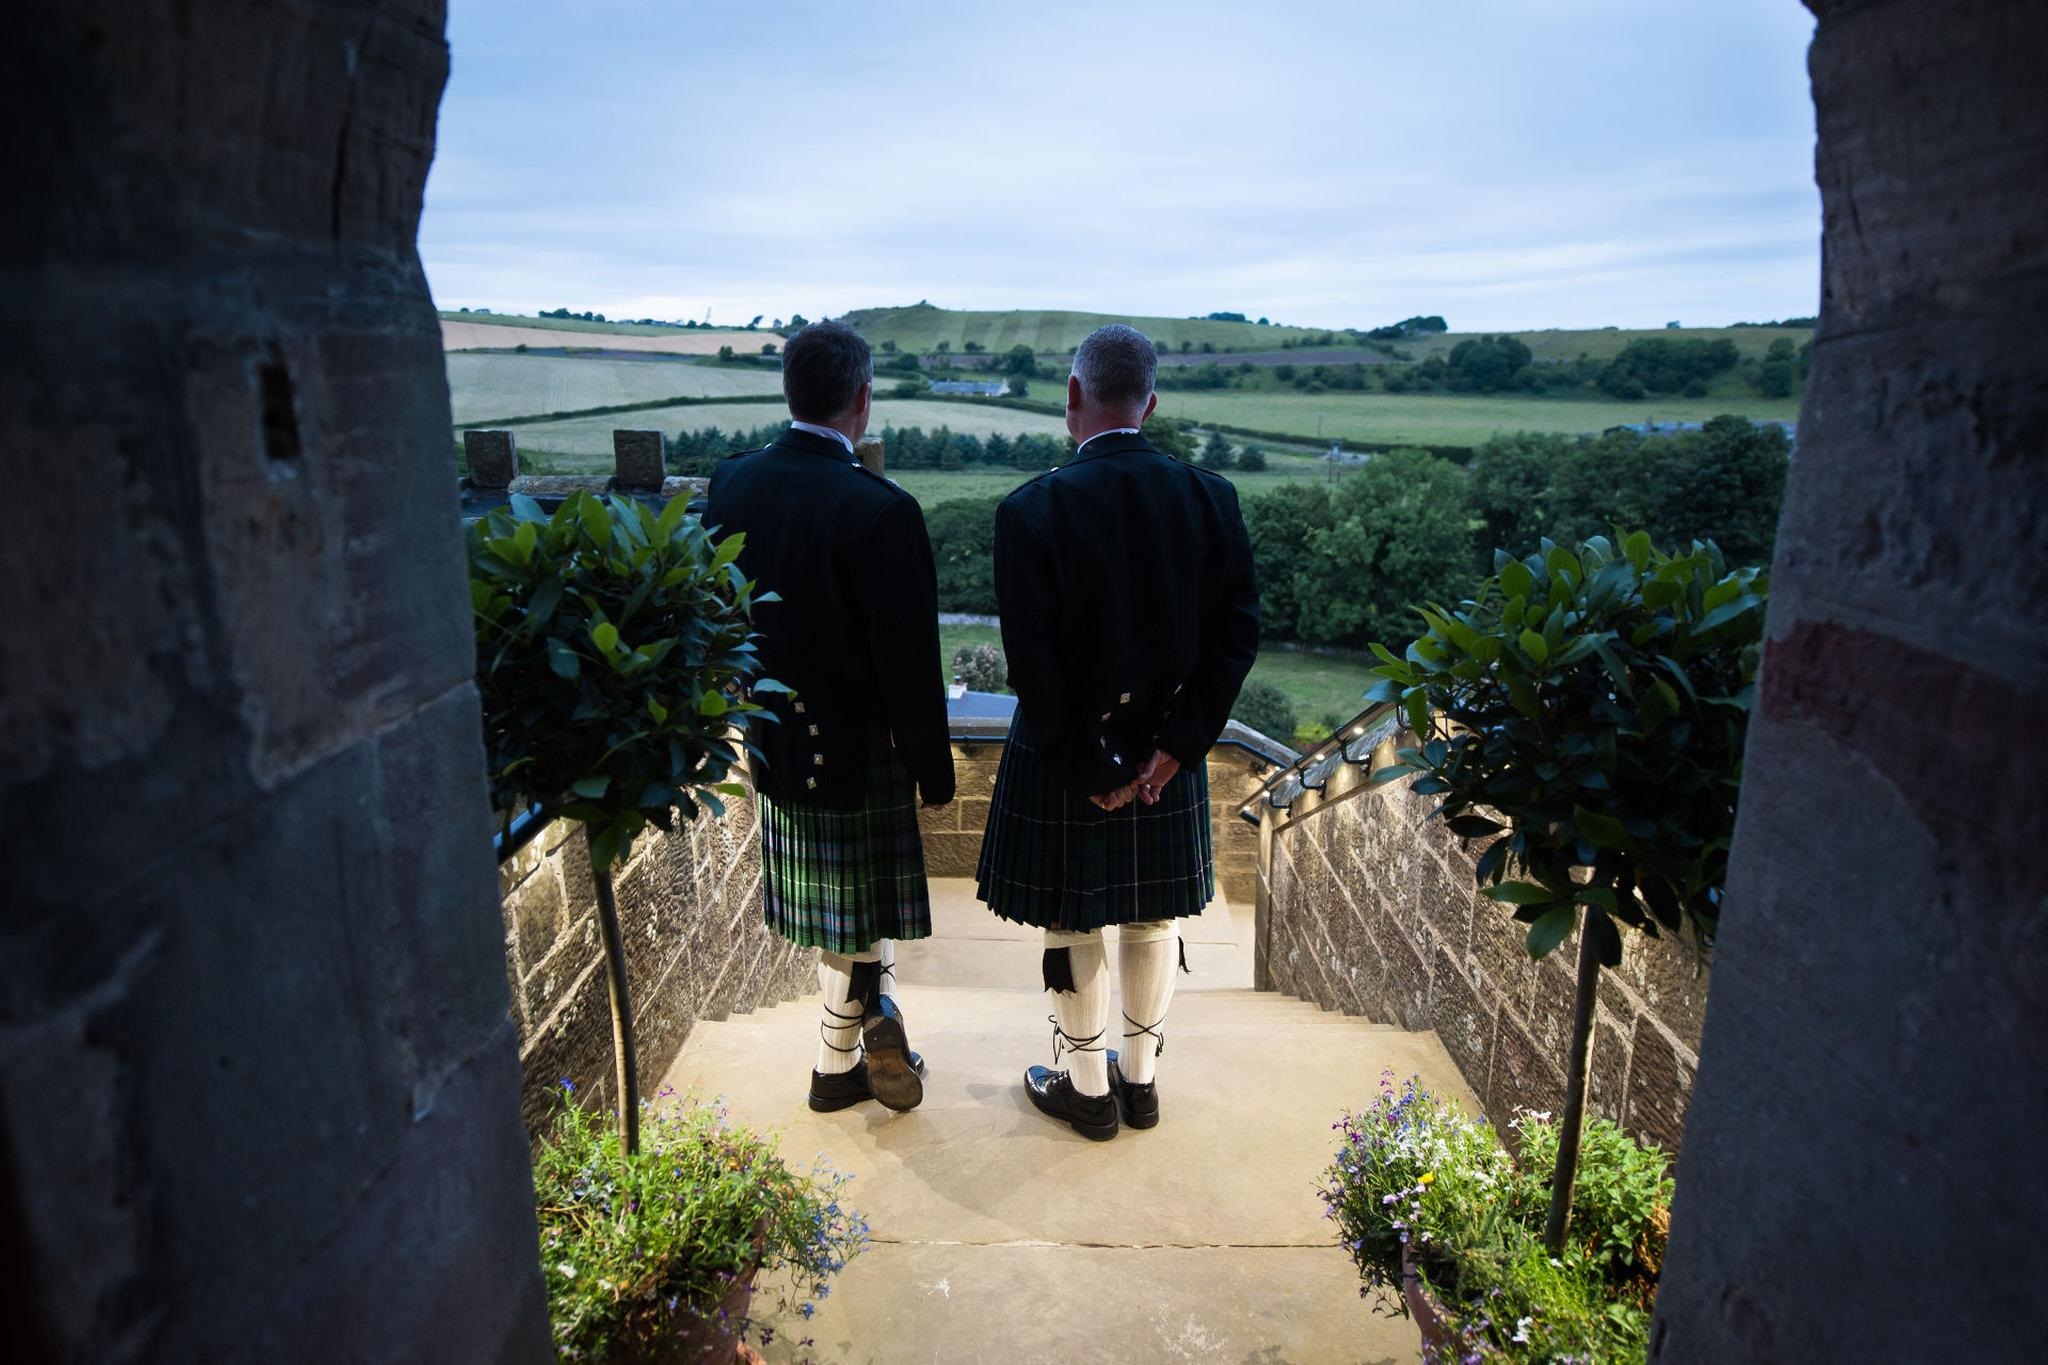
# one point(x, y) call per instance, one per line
point(999, 1234)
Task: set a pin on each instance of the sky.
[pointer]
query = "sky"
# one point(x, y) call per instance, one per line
point(1508, 164)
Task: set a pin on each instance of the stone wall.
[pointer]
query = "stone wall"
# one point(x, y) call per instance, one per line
point(258, 1090)
point(952, 836)
point(690, 917)
point(1372, 909)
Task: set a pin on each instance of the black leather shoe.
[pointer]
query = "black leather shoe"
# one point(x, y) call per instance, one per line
point(894, 1071)
point(1092, 1116)
point(841, 1090)
point(1137, 1104)
point(844, 1089)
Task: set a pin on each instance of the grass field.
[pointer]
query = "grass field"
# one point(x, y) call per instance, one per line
point(1446, 419)
point(1606, 342)
point(631, 329)
point(467, 334)
point(1323, 688)
point(933, 486)
point(921, 328)
point(484, 386)
point(590, 438)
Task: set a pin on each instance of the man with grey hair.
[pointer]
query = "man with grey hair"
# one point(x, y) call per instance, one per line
point(1130, 616)
point(853, 629)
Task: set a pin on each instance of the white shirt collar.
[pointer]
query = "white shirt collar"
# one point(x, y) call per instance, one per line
point(1113, 431)
point(832, 432)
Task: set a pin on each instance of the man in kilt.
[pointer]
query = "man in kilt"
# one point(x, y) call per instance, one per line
point(1130, 617)
point(843, 757)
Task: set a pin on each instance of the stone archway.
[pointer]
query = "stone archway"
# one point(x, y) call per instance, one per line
point(1862, 1169)
point(258, 1091)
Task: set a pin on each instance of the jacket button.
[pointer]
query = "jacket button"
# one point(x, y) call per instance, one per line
point(814, 729)
point(1124, 700)
point(1105, 715)
point(810, 782)
point(799, 708)
point(817, 760)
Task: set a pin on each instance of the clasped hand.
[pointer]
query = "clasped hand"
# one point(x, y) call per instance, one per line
point(1150, 781)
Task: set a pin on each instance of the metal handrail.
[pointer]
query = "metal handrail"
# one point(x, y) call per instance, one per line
point(1352, 742)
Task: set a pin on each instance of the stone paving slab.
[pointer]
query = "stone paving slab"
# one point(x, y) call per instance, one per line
point(1023, 1305)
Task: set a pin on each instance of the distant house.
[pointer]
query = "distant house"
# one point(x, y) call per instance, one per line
point(971, 388)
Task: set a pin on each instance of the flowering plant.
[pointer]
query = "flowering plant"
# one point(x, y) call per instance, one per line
point(1414, 1175)
point(639, 1247)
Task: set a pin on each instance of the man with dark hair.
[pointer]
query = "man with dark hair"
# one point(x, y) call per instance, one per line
point(1130, 617)
point(842, 758)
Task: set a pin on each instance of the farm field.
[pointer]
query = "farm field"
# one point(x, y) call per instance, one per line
point(463, 334)
point(488, 386)
point(1605, 343)
point(921, 328)
point(1446, 419)
point(1322, 687)
point(589, 439)
point(933, 486)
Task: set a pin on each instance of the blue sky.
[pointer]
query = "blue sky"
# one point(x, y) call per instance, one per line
point(1506, 163)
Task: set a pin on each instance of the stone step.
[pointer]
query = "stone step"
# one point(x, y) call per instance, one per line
point(930, 1008)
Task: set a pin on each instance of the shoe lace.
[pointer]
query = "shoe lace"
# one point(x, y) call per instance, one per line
point(1156, 1029)
point(1061, 1038)
point(844, 1021)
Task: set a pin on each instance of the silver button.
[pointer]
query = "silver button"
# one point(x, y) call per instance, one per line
point(817, 760)
point(1117, 759)
point(1105, 715)
point(810, 782)
point(799, 708)
point(814, 729)
point(1124, 700)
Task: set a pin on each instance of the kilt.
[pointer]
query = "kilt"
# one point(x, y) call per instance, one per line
point(840, 879)
point(1059, 861)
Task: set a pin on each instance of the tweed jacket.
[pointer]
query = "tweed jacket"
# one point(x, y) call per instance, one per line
point(1129, 608)
point(856, 631)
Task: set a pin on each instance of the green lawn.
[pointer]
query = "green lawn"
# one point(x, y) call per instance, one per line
point(933, 486)
point(1322, 688)
point(1605, 343)
point(1447, 419)
point(485, 386)
point(922, 328)
point(631, 329)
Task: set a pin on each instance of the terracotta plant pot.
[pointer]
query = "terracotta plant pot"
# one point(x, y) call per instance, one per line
point(712, 1338)
point(1440, 1339)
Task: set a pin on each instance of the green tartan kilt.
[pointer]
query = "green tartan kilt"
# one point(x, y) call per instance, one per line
point(1056, 860)
point(840, 879)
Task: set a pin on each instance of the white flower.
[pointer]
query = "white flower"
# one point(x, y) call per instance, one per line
point(568, 1271)
point(1522, 1326)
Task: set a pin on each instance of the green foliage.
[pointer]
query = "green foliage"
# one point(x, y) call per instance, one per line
point(1169, 437)
point(1663, 365)
point(1596, 701)
point(612, 647)
point(1412, 1171)
point(1019, 361)
point(1020, 387)
point(963, 536)
point(1217, 453)
point(1252, 459)
point(1486, 364)
point(1279, 523)
point(635, 1248)
point(1398, 534)
point(982, 667)
point(911, 386)
point(1267, 709)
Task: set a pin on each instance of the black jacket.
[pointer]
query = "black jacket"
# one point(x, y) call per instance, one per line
point(856, 633)
point(1130, 613)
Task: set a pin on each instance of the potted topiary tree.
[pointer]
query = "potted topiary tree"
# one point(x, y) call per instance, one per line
point(1588, 707)
point(614, 646)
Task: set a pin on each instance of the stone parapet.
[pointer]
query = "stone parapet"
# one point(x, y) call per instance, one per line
point(1371, 907)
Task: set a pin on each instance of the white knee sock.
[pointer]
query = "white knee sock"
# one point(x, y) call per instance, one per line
point(1083, 1013)
point(839, 1030)
point(887, 947)
point(1146, 956)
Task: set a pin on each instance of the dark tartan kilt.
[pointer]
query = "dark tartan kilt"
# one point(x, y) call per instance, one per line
point(840, 879)
point(1059, 861)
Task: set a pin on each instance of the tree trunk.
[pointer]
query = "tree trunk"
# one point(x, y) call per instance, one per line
point(1566, 1176)
point(622, 1014)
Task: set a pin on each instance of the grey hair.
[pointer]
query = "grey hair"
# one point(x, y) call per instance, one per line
point(1116, 366)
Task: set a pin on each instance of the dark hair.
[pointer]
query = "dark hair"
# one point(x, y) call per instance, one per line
point(823, 367)
point(1116, 366)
